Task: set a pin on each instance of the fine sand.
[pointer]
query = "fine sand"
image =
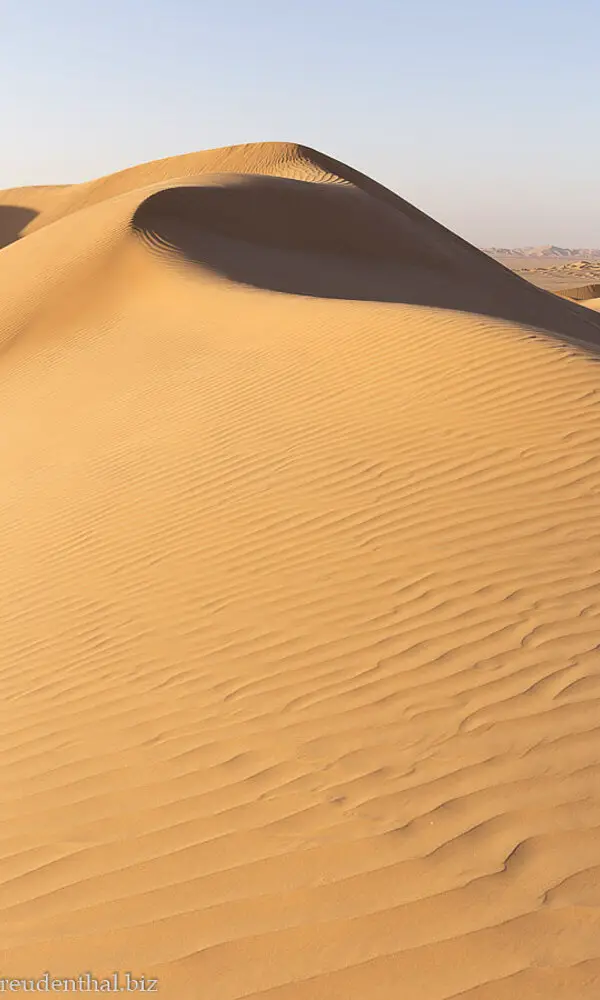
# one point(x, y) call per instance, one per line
point(299, 658)
point(556, 277)
point(576, 280)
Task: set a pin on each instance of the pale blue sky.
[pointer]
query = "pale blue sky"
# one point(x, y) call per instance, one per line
point(484, 113)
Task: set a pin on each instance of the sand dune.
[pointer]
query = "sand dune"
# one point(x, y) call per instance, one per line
point(301, 595)
point(559, 277)
point(19, 207)
point(581, 293)
point(578, 281)
point(543, 253)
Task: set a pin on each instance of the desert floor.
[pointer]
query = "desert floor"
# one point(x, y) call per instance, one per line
point(571, 276)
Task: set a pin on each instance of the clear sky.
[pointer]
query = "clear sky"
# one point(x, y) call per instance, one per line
point(484, 113)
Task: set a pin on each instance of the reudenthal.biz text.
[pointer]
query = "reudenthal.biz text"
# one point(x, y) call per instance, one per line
point(117, 982)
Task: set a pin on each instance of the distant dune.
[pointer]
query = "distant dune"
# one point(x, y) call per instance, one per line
point(547, 251)
point(20, 206)
point(301, 596)
point(578, 280)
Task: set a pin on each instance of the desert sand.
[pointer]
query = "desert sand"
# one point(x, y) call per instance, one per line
point(299, 658)
point(577, 279)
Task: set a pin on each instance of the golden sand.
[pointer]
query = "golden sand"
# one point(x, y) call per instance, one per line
point(299, 658)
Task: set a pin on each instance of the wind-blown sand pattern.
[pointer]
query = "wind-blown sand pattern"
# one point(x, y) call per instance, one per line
point(301, 594)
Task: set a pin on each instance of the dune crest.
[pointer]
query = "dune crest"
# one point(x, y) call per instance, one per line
point(301, 599)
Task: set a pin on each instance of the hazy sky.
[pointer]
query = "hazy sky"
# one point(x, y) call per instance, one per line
point(484, 113)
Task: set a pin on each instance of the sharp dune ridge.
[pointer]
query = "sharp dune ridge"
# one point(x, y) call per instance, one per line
point(301, 594)
point(267, 185)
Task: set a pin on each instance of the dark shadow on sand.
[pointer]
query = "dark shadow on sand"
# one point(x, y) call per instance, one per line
point(13, 220)
point(579, 293)
point(281, 235)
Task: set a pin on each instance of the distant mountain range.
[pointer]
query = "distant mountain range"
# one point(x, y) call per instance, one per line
point(578, 253)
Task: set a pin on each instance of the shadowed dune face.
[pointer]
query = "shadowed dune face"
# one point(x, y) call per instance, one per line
point(13, 219)
point(292, 215)
point(580, 292)
point(336, 241)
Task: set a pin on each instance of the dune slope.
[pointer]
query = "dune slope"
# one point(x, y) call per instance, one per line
point(299, 673)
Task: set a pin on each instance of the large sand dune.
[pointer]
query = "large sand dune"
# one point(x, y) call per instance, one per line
point(299, 659)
